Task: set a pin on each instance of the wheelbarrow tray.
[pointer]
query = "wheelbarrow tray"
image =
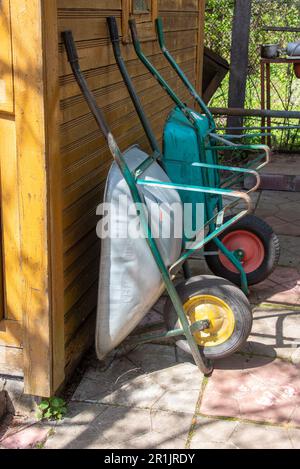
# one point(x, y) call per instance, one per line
point(130, 281)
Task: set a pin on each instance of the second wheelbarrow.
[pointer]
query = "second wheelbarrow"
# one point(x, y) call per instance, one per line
point(248, 252)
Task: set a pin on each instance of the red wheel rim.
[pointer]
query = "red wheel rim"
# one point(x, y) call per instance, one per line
point(250, 244)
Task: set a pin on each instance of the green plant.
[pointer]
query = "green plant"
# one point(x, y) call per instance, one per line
point(284, 85)
point(52, 409)
point(40, 445)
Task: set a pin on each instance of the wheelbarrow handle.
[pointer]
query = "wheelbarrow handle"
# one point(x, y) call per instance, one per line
point(134, 33)
point(114, 33)
point(69, 42)
point(115, 40)
point(67, 37)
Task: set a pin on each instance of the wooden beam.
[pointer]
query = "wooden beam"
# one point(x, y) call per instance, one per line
point(32, 189)
point(255, 113)
point(126, 10)
point(54, 189)
point(239, 58)
point(282, 28)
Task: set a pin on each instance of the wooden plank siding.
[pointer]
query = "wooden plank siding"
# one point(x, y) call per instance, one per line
point(85, 158)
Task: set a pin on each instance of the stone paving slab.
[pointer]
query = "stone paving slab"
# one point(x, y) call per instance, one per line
point(149, 378)
point(294, 436)
point(275, 333)
point(27, 438)
point(283, 164)
point(169, 430)
point(254, 388)
point(178, 401)
point(98, 383)
point(150, 358)
point(290, 251)
point(78, 430)
point(179, 377)
point(211, 433)
point(249, 436)
point(281, 210)
point(282, 287)
point(107, 427)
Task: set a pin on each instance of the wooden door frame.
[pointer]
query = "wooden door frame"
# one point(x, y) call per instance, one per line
point(127, 11)
point(34, 27)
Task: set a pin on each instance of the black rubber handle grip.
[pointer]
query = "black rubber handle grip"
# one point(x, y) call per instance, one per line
point(133, 29)
point(68, 40)
point(114, 33)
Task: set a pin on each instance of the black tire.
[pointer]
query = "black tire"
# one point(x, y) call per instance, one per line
point(233, 297)
point(270, 242)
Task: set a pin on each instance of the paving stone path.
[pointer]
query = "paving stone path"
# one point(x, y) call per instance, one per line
point(155, 398)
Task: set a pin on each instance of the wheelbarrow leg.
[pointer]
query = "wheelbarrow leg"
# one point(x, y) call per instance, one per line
point(234, 260)
point(204, 365)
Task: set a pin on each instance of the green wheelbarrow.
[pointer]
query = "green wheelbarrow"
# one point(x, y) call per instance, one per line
point(247, 252)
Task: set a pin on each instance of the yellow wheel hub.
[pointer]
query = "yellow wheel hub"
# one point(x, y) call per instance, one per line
point(220, 315)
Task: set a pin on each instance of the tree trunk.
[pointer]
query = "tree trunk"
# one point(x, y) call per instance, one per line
point(239, 58)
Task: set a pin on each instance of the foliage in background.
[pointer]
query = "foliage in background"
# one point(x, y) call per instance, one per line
point(285, 86)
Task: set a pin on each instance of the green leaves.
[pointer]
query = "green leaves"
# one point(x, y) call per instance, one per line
point(285, 87)
point(52, 409)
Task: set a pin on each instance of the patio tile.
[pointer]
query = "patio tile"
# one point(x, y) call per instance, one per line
point(153, 441)
point(76, 430)
point(142, 393)
point(210, 445)
point(275, 333)
point(112, 429)
point(121, 424)
point(289, 210)
point(26, 439)
point(254, 388)
point(178, 401)
point(289, 296)
point(212, 431)
point(97, 383)
point(290, 251)
point(287, 276)
point(168, 431)
point(249, 436)
point(172, 424)
point(179, 377)
point(282, 227)
point(152, 357)
point(79, 413)
point(269, 200)
point(283, 286)
point(294, 435)
point(83, 437)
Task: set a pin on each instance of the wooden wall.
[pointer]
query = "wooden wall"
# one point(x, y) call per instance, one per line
point(85, 158)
